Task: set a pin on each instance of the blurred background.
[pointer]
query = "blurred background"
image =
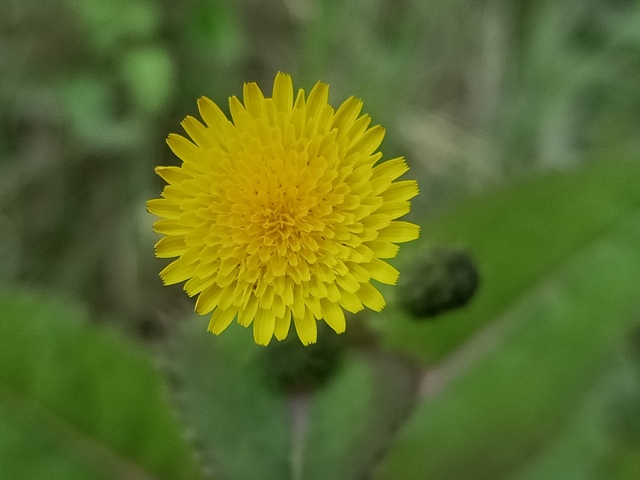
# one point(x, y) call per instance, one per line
point(520, 120)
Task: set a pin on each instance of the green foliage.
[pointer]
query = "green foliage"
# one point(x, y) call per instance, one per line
point(245, 427)
point(555, 339)
point(601, 438)
point(522, 384)
point(79, 402)
point(517, 234)
point(239, 424)
point(347, 433)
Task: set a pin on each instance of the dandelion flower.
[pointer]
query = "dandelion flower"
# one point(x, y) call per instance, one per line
point(282, 212)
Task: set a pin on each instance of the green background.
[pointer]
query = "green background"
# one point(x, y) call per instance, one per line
point(520, 121)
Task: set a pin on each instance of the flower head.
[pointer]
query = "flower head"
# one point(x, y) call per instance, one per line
point(285, 211)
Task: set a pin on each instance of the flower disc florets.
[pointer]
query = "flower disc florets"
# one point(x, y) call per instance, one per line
point(283, 212)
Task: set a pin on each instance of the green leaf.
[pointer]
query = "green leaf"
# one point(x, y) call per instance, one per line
point(80, 402)
point(354, 417)
point(248, 428)
point(601, 438)
point(517, 234)
point(240, 424)
point(554, 340)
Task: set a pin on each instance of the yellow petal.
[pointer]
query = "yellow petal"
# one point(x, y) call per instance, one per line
point(401, 191)
point(369, 142)
point(178, 195)
point(170, 227)
point(318, 97)
point(208, 299)
point(394, 209)
point(228, 265)
point(297, 306)
point(183, 148)
point(348, 282)
point(196, 131)
point(347, 113)
point(287, 293)
point(164, 208)
point(208, 265)
point(383, 249)
point(399, 232)
point(197, 284)
point(216, 120)
point(266, 299)
point(317, 288)
point(263, 326)
point(283, 93)
point(383, 272)
point(360, 273)
point(391, 169)
point(248, 313)
point(300, 102)
point(358, 128)
point(241, 118)
point(333, 292)
point(221, 319)
point(376, 221)
point(172, 174)
point(228, 295)
point(211, 113)
point(306, 328)
point(176, 272)
point(333, 315)
point(313, 304)
point(371, 297)
point(365, 253)
point(253, 100)
point(282, 325)
point(172, 246)
point(350, 302)
point(325, 117)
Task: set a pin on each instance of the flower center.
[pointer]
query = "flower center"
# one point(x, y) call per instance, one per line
point(277, 223)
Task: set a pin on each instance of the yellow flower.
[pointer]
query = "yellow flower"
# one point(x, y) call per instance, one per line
point(283, 212)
